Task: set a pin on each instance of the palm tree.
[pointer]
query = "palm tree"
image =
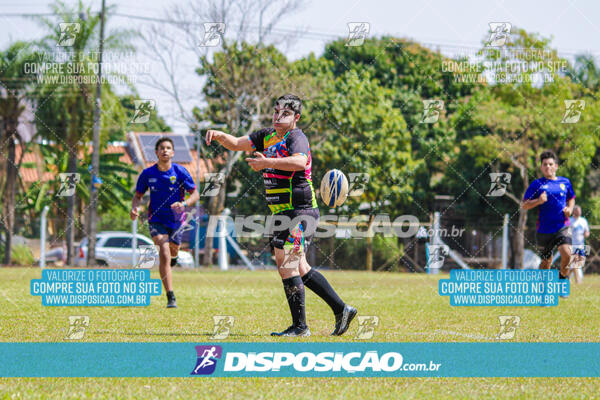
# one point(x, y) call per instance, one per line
point(15, 91)
point(65, 114)
point(113, 196)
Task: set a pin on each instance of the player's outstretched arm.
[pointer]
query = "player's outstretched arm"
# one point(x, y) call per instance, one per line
point(295, 162)
point(228, 141)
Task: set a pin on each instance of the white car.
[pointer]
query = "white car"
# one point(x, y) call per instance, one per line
point(113, 249)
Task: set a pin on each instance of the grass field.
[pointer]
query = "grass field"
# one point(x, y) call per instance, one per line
point(407, 305)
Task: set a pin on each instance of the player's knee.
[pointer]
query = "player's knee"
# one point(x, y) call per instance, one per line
point(160, 240)
point(285, 271)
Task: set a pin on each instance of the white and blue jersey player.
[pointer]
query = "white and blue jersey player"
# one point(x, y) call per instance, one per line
point(580, 230)
point(168, 183)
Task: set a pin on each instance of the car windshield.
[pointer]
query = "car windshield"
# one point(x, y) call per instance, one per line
point(118, 242)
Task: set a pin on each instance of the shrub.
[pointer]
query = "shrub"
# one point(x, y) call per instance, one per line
point(22, 255)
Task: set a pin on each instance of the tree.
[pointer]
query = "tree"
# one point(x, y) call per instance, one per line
point(505, 126)
point(415, 74)
point(15, 91)
point(66, 100)
point(114, 194)
point(155, 122)
point(181, 39)
point(242, 84)
point(364, 133)
point(585, 72)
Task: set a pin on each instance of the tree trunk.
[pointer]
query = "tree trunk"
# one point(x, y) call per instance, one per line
point(70, 231)
point(518, 247)
point(9, 193)
point(518, 240)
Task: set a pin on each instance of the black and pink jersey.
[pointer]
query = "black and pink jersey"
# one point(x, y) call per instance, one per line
point(285, 190)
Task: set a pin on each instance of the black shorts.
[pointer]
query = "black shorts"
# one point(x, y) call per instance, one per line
point(161, 229)
point(297, 232)
point(547, 242)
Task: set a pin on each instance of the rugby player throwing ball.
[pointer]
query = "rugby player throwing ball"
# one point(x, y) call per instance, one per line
point(283, 154)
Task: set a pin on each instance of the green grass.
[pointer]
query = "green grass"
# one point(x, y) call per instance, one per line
point(407, 305)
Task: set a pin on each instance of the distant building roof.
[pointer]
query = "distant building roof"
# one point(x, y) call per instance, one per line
point(137, 152)
point(32, 165)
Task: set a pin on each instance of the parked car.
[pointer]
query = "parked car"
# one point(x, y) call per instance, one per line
point(113, 249)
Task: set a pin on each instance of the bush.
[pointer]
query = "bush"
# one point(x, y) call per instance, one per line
point(22, 255)
point(116, 219)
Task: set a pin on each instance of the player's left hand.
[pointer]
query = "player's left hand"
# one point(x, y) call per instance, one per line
point(258, 162)
point(178, 207)
point(568, 211)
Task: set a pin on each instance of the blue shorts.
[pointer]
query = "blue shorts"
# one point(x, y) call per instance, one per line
point(161, 229)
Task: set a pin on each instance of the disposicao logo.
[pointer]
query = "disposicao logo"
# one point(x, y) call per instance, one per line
point(207, 359)
point(307, 361)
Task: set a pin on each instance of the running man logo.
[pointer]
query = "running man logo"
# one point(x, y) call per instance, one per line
point(357, 183)
point(77, 326)
point(185, 225)
point(366, 326)
point(435, 259)
point(508, 326)
point(291, 257)
point(223, 325)
point(68, 33)
point(358, 32)
point(68, 183)
point(212, 184)
point(147, 258)
point(499, 34)
point(573, 110)
point(207, 359)
point(431, 111)
point(500, 181)
point(213, 34)
point(143, 108)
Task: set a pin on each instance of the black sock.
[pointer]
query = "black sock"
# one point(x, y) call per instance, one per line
point(173, 261)
point(316, 282)
point(294, 291)
point(170, 294)
point(561, 276)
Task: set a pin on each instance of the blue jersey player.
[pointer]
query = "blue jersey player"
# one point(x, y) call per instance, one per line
point(168, 183)
point(555, 197)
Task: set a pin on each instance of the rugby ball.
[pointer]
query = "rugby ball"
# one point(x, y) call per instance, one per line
point(334, 188)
